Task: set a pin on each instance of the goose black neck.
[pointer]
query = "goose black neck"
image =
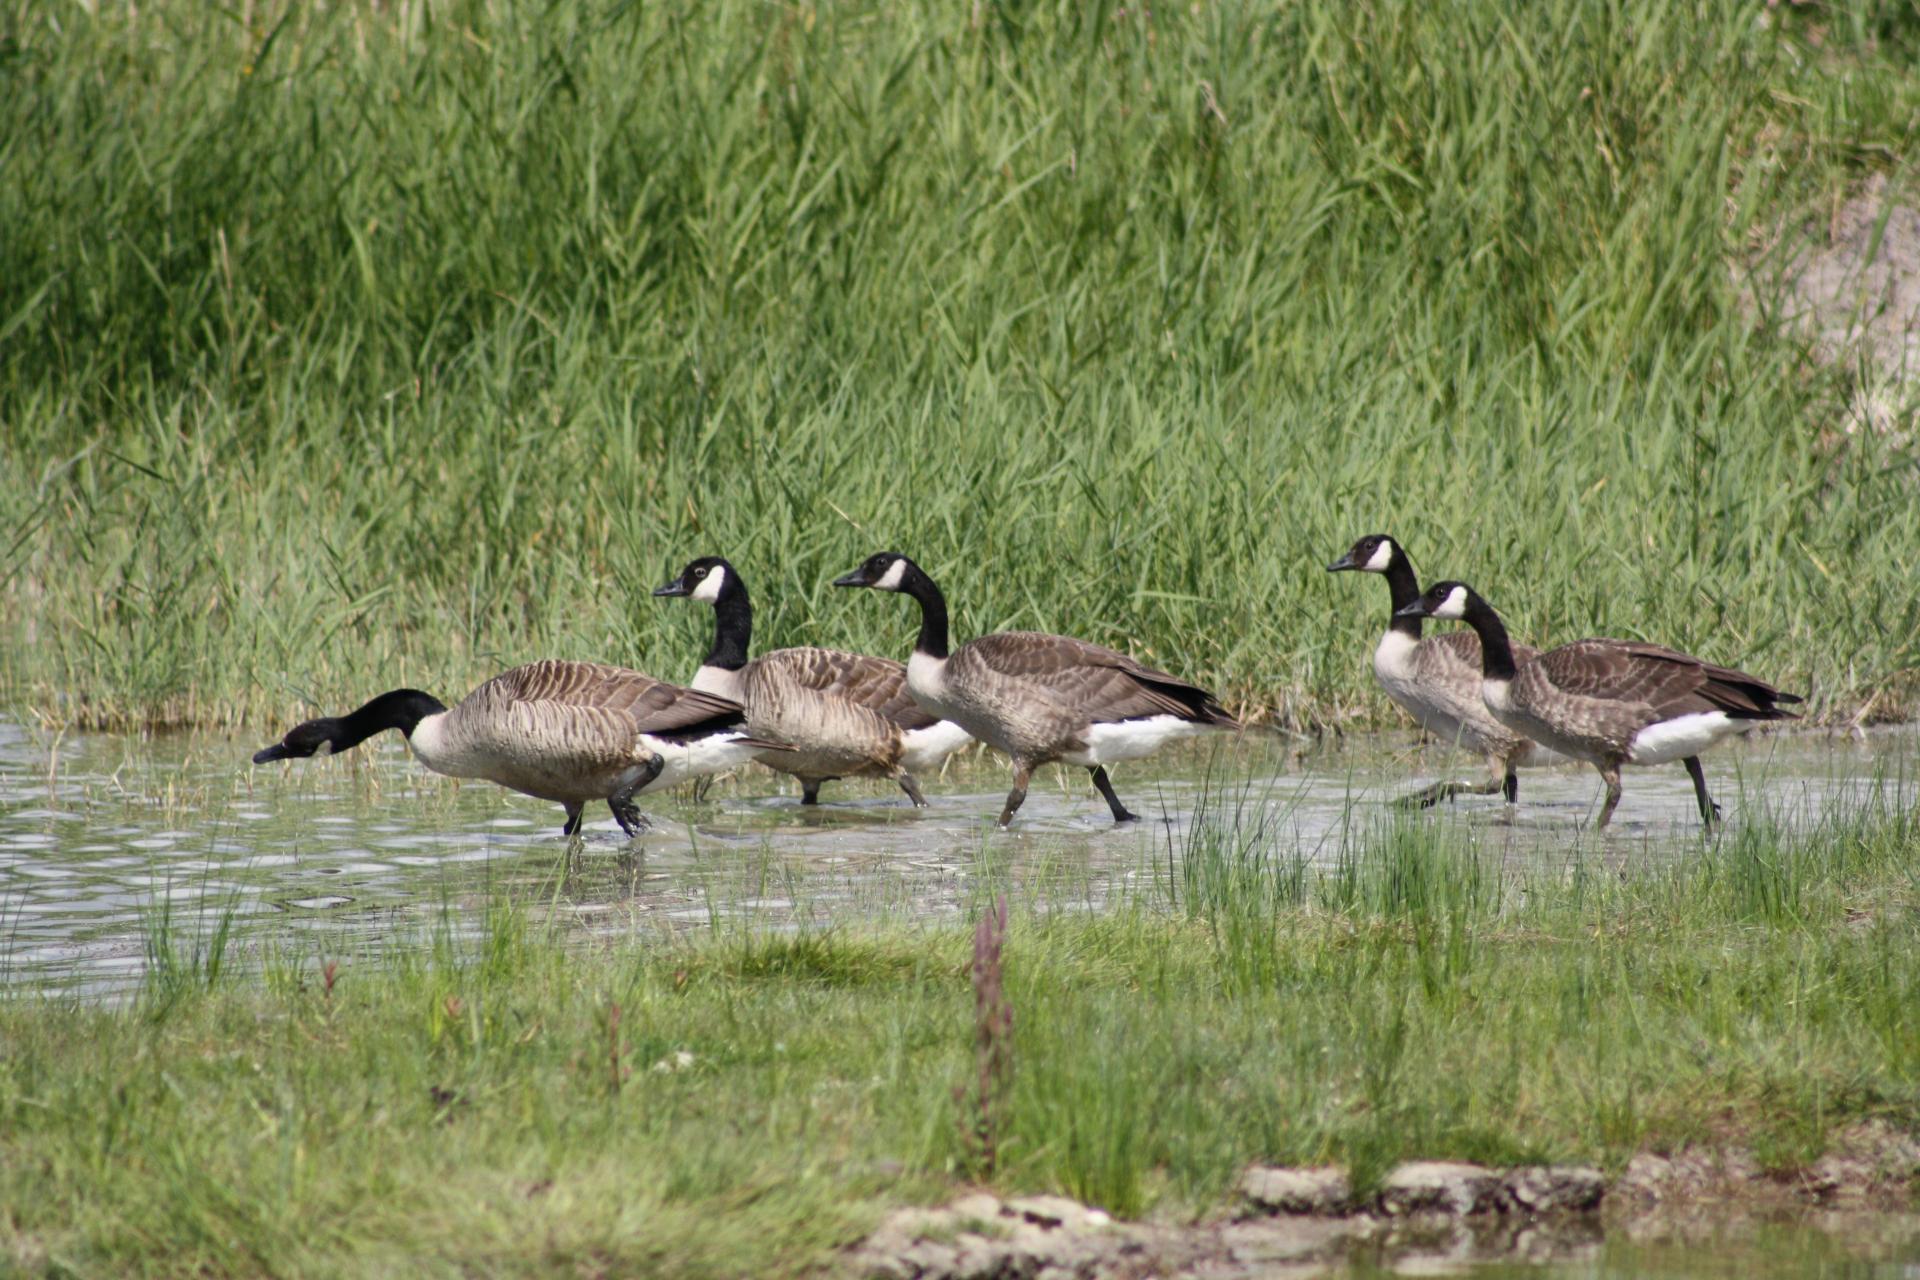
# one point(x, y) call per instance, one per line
point(933, 612)
point(1496, 651)
point(401, 709)
point(732, 626)
point(1404, 586)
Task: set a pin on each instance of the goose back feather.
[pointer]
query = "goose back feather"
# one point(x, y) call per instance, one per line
point(1599, 698)
point(1039, 697)
point(841, 714)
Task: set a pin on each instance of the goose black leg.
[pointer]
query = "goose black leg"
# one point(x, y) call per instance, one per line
point(1510, 787)
point(1102, 781)
point(912, 788)
point(809, 793)
point(1022, 773)
point(1612, 775)
point(1709, 811)
point(625, 811)
point(573, 820)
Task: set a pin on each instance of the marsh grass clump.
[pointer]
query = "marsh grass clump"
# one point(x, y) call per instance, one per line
point(302, 393)
point(185, 954)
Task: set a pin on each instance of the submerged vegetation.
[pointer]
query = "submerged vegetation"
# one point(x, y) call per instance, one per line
point(349, 346)
point(508, 1100)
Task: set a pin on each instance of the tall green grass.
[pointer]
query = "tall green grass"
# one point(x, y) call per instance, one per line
point(502, 1099)
point(351, 346)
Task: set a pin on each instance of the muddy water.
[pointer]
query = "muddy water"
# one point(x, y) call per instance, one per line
point(101, 836)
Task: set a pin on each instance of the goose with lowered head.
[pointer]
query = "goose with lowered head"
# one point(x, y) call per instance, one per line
point(570, 732)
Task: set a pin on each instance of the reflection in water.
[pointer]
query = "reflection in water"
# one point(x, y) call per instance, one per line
point(99, 833)
point(1719, 1242)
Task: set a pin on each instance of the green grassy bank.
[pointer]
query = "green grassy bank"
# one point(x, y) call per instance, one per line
point(343, 347)
point(742, 1103)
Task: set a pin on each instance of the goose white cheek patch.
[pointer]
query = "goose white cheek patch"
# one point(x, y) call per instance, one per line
point(708, 592)
point(895, 575)
point(1382, 557)
point(1454, 606)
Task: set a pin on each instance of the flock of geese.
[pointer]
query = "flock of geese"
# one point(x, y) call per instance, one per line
point(580, 732)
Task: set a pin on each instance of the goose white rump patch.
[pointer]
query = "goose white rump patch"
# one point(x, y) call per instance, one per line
point(1682, 736)
point(1131, 739)
point(714, 753)
point(924, 750)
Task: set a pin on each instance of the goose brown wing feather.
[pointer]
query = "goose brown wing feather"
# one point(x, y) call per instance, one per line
point(649, 705)
point(1094, 680)
point(903, 711)
point(1665, 681)
point(1727, 689)
point(879, 684)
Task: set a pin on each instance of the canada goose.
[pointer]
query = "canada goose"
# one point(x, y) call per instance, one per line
point(1437, 680)
point(565, 731)
point(1609, 702)
point(846, 714)
point(1038, 697)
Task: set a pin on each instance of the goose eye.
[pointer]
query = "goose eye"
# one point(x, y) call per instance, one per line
point(699, 573)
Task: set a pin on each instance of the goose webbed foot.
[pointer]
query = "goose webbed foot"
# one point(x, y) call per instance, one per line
point(1120, 812)
point(625, 811)
point(700, 788)
point(1427, 797)
point(628, 815)
point(572, 828)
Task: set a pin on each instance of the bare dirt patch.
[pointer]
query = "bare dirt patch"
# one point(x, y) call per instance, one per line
point(1851, 290)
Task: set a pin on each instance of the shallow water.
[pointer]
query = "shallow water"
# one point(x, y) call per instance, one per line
point(102, 837)
point(1717, 1242)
